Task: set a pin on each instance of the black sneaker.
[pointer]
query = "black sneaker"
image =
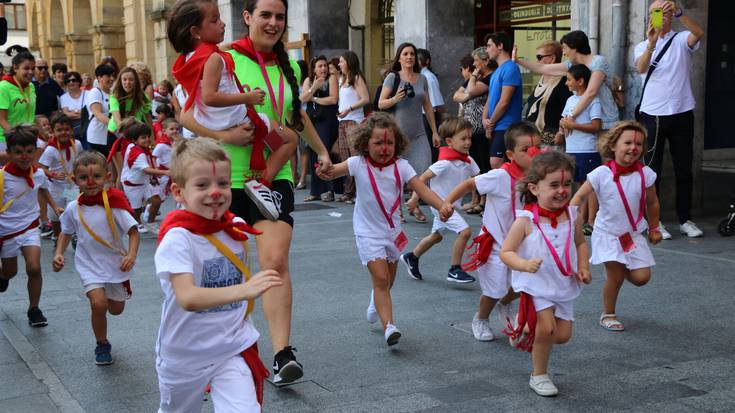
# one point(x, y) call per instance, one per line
point(4, 285)
point(286, 369)
point(457, 275)
point(412, 265)
point(103, 354)
point(36, 318)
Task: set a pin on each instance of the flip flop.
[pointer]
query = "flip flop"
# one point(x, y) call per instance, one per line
point(418, 215)
point(310, 198)
point(478, 209)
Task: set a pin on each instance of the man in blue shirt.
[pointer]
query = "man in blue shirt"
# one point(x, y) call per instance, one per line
point(505, 96)
point(47, 90)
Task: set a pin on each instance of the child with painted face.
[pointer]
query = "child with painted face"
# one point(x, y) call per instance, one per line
point(548, 254)
point(220, 101)
point(206, 336)
point(380, 175)
point(20, 186)
point(502, 201)
point(140, 174)
point(453, 167)
point(170, 134)
point(57, 161)
point(625, 188)
point(101, 218)
point(44, 132)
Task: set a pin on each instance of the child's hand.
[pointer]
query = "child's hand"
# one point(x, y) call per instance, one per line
point(531, 265)
point(325, 164)
point(59, 210)
point(260, 283)
point(446, 211)
point(255, 97)
point(654, 237)
point(584, 275)
point(57, 175)
point(514, 54)
point(559, 137)
point(567, 122)
point(127, 263)
point(58, 262)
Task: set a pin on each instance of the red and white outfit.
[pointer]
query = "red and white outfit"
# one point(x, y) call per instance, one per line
point(377, 225)
point(61, 190)
point(197, 348)
point(450, 170)
point(162, 153)
point(97, 265)
point(19, 222)
point(136, 182)
point(501, 202)
point(613, 220)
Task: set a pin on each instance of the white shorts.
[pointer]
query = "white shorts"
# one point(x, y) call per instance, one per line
point(494, 276)
point(562, 309)
point(113, 291)
point(12, 246)
point(371, 249)
point(606, 247)
point(182, 389)
point(137, 195)
point(61, 195)
point(160, 189)
point(455, 223)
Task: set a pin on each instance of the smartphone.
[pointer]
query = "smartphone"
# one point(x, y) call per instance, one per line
point(657, 18)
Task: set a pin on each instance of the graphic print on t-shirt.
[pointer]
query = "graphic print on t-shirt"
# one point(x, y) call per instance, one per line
point(220, 272)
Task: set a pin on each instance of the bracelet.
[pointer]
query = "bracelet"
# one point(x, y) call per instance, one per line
point(678, 13)
point(654, 229)
point(314, 98)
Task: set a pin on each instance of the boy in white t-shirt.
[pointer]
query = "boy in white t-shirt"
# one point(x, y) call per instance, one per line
point(56, 161)
point(101, 218)
point(170, 134)
point(20, 187)
point(452, 168)
point(503, 200)
point(206, 336)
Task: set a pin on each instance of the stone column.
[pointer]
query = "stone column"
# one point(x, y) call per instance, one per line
point(164, 54)
point(108, 40)
point(231, 13)
point(80, 56)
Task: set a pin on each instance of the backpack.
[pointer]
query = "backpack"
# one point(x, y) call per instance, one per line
point(394, 90)
point(85, 117)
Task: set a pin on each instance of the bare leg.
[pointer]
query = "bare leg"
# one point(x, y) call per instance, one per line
point(486, 307)
point(509, 297)
point(155, 205)
point(426, 243)
point(383, 275)
point(460, 244)
point(136, 214)
point(9, 267)
point(56, 225)
point(98, 305)
point(32, 256)
point(615, 273)
point(304, 167)
point(545, 326)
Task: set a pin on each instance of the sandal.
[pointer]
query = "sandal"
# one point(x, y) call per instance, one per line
point(328, 197)
point(477, 209)
point(610, 323)
point(310, 198)
point(418, 215)
point(468, 206)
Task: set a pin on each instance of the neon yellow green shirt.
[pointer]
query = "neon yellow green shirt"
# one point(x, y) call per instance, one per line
point(21, 105)
point(248, 72)
point(115, 107)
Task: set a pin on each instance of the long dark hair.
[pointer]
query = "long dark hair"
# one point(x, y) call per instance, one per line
point(353, 67)
point(284, 63)
point(137, 95)
point(396, 65)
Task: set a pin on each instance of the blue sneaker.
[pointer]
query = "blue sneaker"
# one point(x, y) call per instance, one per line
point(457, 275)
point(102, 355)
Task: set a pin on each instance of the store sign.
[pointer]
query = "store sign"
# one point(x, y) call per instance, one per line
point(536, 12)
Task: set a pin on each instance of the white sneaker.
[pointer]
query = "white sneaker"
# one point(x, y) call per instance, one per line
point(481, 329)
point(664, 234)
point(144, 215)
point(263, 199)
point(543, 386)
point(690, 230)
point(372, 314)
point(142, 229)
point(392, 335)
point(503, 312)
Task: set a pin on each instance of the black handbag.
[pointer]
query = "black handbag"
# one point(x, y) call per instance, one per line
point(651, 68)
point(314, 110)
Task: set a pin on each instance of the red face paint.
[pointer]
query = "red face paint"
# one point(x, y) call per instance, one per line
point(384, 151)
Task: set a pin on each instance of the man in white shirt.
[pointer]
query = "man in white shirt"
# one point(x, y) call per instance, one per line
point(667, 104)
point(435, 97)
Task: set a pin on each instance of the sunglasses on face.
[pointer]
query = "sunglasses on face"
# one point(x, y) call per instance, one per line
point(541, 56)
point(42, 68)
point(72, 80)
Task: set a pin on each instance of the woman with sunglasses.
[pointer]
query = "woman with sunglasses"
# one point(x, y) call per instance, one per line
point(71, 104)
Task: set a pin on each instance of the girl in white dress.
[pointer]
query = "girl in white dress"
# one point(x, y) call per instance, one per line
point(548, 254)
point(626, 190)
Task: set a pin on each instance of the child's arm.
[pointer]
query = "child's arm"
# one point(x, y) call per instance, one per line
point(156, 172)
point(582, 193)
point(239, 135)
point(520, 229)
point(58, 262)
point(653, 210)
point(45, 193)
point(425, 177)
point(458, 192)
point(425, 193)
point(337, 171)
point(583, 253)
point(211, 96)
point(51, 175)
point(193, 298)
point(592, 127)
point(597, 80)
point(133, 241)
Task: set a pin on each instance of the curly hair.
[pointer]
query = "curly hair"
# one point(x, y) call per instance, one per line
point(610, 138)
point(362, 133)
point(542, 165)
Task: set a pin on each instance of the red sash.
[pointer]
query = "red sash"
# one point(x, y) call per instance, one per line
point(258, 370)
point(483, 245)
point(526, 316)
point(619, 170)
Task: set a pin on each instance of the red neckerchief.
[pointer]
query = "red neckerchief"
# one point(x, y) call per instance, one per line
point(164, 140)
point(483, 245)
point(526, 316)
point(197, 224)
point(120, 145)
point(12, 80)
point(257, 368)
point(157, 129)
point(115, 197)
point(189, 74)
point(379, 165)
point(246, 47)
point(136, 151)
point(513, 170)
point(448, 154)
point(619, 170)
point(27, 174)
point(552, 215)
point(53, 142)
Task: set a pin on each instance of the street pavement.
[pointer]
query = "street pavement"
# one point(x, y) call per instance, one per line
point(676, 354)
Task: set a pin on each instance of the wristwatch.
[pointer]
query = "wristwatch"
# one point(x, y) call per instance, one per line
point(678, 12)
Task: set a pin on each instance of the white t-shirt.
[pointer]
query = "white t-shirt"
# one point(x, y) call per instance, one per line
point(97, 131)
point(51, 159)
point(162, 152)
point(669, 90)
point(94, 262)
point(23, 210)
point(368, 219)
point(135, 173)
point(68, 102)
point(611, 217)
point(220, 118)
point(435, 94)
point(181, 97)
point(348, 96)
point(449, 174)
point(195, 339)
point(578, 141)
point(499, 207)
